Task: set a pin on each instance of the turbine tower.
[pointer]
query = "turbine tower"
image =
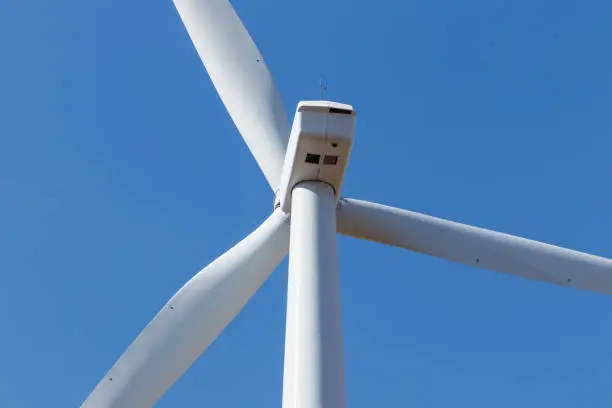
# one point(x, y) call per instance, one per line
point(304, 165)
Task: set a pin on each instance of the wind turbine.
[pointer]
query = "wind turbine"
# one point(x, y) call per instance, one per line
point(304, 166)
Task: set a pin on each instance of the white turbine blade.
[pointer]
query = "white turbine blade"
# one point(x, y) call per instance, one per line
point(192, 319)
point(241, 78)
point(474, 246)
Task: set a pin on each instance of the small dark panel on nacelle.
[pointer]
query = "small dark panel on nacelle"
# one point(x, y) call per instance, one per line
point(342, 111)
point(330, 160)
point(313, 158)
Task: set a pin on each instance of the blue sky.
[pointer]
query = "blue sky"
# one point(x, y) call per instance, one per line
point(121, 175)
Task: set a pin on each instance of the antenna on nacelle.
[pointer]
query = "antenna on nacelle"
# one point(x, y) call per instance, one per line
point(322, 88)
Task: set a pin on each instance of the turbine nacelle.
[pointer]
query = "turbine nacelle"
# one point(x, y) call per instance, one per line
point(318, 149)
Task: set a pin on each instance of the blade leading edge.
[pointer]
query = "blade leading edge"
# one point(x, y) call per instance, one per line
point(241, 78)
point(474, 246)
point(192, 319)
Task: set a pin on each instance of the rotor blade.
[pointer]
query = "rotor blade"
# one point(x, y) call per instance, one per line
point(192, 319)
point(474, 246)
point(241, 78)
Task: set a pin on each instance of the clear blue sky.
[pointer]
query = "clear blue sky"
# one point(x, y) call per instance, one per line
point(121, 175)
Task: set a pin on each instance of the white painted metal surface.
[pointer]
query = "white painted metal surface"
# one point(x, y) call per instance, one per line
point(474, 246)
point(314, 362)
point(192, 319)
point(242, 79)
point(319, 147)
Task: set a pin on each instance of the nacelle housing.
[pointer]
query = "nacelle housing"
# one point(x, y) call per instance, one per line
point(319, 147)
